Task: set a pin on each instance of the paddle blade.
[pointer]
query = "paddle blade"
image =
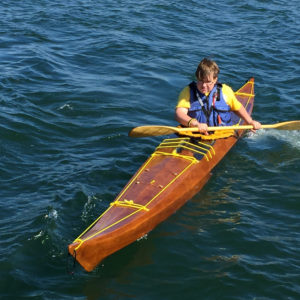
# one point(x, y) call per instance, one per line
point(289, 125)
point(144, 131)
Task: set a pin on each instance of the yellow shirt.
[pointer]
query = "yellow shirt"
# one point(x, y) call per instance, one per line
point(228, 94)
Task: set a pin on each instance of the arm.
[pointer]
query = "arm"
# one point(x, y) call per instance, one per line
point(238, 108)
point(242, 113)
point(181, 116)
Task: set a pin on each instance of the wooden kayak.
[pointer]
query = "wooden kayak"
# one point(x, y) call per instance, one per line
point(176, 171)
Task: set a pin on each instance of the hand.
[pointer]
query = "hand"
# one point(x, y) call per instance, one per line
point(202, 127)
point(256, 125)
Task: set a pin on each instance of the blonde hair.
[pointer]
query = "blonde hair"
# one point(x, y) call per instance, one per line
point(205, 68)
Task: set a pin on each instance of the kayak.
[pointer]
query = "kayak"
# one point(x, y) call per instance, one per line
point(177, 170)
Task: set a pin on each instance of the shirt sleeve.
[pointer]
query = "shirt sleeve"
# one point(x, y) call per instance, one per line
point(230, 98)
point(184, 98)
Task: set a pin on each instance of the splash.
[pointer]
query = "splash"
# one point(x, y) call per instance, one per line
point(291, 137)
point(144, 237)
point(38, 235)
point(88, 207)
point(52, 214)
point(66, 107)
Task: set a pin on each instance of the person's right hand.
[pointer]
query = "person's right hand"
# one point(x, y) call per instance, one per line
point(202, 127)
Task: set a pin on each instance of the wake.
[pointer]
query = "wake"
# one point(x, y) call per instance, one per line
point(291, 137)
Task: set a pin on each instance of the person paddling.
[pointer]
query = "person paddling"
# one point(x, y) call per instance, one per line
point(209, 103)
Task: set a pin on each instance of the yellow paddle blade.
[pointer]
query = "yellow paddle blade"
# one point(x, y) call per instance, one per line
point(156, 130)
point(289, 125)
point(152, 130)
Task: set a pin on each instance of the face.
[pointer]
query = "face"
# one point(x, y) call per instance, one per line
point(207, 84)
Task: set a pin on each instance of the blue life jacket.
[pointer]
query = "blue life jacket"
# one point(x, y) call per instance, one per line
point(212, 109)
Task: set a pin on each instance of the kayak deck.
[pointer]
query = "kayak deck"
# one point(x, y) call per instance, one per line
point(176, 171)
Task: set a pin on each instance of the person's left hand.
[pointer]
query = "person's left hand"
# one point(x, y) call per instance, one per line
point(256, 125)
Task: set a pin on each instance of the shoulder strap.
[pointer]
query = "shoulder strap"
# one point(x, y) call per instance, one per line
point(219, 87)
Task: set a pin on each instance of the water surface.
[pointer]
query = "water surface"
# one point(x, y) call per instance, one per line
point(75, 77)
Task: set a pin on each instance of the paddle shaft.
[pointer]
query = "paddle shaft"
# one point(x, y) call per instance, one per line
point(288, 125)
point(244, 127)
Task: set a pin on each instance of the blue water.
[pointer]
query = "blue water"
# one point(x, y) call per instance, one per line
point(75, 77)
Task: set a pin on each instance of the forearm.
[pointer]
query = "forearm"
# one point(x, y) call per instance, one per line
point(182, 117)
point(242, 113)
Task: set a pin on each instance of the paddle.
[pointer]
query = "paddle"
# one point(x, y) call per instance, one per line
point(155, 130)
